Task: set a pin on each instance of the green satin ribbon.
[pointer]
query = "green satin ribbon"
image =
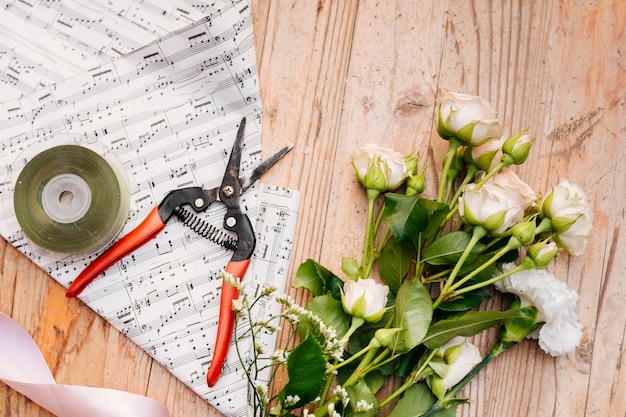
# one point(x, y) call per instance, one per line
point(71, 200)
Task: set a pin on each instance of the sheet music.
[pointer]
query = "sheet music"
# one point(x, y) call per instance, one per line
point(167, 113)
point(43, 42)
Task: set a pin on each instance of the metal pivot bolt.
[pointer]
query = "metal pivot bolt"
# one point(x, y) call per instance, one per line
point(228, 190)
point(199, 202)
point(231, 221)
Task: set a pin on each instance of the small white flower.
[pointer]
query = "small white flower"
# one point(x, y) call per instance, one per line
point(556, 307)
point(342, 394)
point(363, 406)
point(268, 290)
point(291, 400)
point(365, 298)
point(237, 304)
point(230, 279)
point(279, 355)
point(262, 391)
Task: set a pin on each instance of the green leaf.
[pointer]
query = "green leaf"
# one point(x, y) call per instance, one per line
point(336, 286)
point(416, 401)
point(408, 361)
point(466, 301)
point(448, 248)
point(331, 312)
point(414, 311)
point(306, 369)
point(361, 392)
point(404, 215)
point(483, 275)
point(394, 263)
point(375, 380)
point(314, 277)
point(468, 324)
point(438, 211)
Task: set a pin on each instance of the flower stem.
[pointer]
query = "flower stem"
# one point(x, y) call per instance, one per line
point(491, 280)
point(477, 233)
point(436, 277)
point(454, 145)
point(412, 379)
point(361, 369)
point(369, 232)
point(323, 395)
point(372, 345)
point(513, 243)
point(491, 173)
point(471, 172)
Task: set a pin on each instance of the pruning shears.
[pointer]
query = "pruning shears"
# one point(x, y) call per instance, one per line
point(235, 220)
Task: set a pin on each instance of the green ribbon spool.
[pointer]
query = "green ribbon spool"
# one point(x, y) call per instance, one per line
point(68, 199)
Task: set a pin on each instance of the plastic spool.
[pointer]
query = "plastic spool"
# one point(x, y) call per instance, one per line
point(69, 199)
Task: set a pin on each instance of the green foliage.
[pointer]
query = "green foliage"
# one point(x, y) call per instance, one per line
point(306, 367)
point(410, 216)
point(413, 314)
point(469, 324)
point(466, 301)
point(361, 392)
point(395, 263)
point(317, 279)
point(331, 312)
point(417, 400)
point(437, 269)
point(448, 248)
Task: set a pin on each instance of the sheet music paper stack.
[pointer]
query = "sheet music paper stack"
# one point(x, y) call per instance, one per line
point(162, 86)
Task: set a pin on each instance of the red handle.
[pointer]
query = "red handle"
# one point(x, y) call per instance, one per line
point(226, 320)
point(148, 228)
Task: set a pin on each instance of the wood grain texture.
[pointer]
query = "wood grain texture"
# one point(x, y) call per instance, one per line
point(339, 74)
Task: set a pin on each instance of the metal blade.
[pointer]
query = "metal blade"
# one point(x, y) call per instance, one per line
point(232, 169)
point(250, 178)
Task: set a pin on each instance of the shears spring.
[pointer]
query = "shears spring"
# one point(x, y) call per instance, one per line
point(205, 229)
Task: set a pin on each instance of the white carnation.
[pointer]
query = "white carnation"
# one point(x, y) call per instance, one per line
point(556, 307)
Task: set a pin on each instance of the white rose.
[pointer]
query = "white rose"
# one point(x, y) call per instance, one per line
point(469, 118)
point(455, 360)
point(516, 189)
point(493, 206)
point(380, 168)
point(365, 298)
point(555, 304)
point(487, 155)
point(568, 208)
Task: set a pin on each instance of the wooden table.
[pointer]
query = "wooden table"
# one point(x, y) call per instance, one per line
point(339, 74)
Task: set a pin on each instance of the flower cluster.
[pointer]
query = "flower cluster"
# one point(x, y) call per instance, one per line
point(408, 307)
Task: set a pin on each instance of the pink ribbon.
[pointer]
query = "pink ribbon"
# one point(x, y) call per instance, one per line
point(23, 368)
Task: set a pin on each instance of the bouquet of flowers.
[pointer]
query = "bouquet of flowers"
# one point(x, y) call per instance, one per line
point(408, 306)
